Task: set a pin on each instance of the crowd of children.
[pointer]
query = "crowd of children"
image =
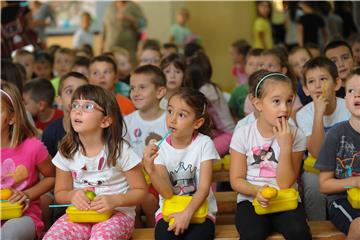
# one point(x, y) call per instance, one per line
point(138, 135)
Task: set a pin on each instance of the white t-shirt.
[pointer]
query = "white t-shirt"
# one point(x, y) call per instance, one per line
point(94, 172)
point(305, 116)
point(82, 37)
point(141, 132)
point(262, 154)
point(218, 109)
point(183, 166)
point(250, 118)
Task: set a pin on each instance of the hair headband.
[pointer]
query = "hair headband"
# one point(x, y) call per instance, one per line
point(204, 109)
point(266, 77)
point(8, 96)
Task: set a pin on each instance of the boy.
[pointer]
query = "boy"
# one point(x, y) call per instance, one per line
point(38, 96)
point(321, 81)
point(103, 72)
point(238, 52)
point(63, 62)
point(150, 55)
point(43, 65)
point(355, 45)
point(169, 48)
point(341, 54)
point(240, 94)
point(81, 65)
point(339, 160)
point(122, 59)
point(179, 32)
point(83, 35)
point(26, 59)
point(148, 123)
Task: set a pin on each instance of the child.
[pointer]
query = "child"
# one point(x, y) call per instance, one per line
point(239, 49)
point(298, 56)
point(103, 72)
point(23, 158)
point(182, 165)
point(26, 59)
point(148, 123)
point(122, 59)
point(341, 54)
point(173, 66)
point(240, 94)
point(198, 75)
point(63, 62)
point(94, 156)
point(283, 145)
point(169, 48)
point(83, 35)
point(179, 32)
point(314, 49)
point(338, 162)
point(262, 27)
point(355, 45)
point(81, 65)
point(43, 65)
point(150, 55)
point(314, 119)
point(38, 98)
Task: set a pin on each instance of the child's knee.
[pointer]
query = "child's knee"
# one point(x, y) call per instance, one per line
point(354, 229)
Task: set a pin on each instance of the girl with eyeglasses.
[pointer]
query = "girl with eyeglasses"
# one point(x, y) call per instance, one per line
point(94, 156)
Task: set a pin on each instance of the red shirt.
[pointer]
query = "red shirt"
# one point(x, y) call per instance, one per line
point(42, 125)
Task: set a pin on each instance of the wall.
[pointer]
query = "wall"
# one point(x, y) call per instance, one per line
point(218, 23)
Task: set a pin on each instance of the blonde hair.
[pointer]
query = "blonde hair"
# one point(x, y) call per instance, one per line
point(21, 128)
point(121, 51)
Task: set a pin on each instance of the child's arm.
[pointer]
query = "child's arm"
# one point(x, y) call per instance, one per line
point(331, 185)
point(47, 169)
point(158, 173)
point(289, 162)
point(262, 39)
point(136, 195)
point(182, 219)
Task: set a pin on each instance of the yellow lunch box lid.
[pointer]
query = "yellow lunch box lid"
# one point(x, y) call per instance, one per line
point(353, 196)
point(10, 210)
point(76, 215)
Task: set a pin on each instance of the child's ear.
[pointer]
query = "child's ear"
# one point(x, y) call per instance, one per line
point(161, 91)
point(198, 123)
point(42, 105)
point(257, 103)
point(106, 122)
point(306, 90)
point(338, 83)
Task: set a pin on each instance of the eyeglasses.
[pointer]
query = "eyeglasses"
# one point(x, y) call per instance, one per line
point(88, 107)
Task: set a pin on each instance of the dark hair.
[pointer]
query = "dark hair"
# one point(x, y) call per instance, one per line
point(82, 61)
point(10, 72)
point(153, 44)
point(256, 52)
point(321, 62)
point(336, 44)
point(104, 58)
point(353, 72)
point(40, 90)
point(355, 38)
point(191, 48)
point(199, 103)
point(157, 76)
point(298, 48)
point(174, 58)
point(70, 74)
point(242, 46)
point(198, 71)
point(259, 78)
point(52, 49)
point(260, 2)
point(309, 45)
point(293, 6)
point(41, 56)
point(67, 51)
point(170, 45)
point(112, 135)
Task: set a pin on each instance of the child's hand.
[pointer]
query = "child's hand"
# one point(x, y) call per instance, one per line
point(264, 202)
point(283, 134)
point(103, 203)
point(181, 222)
point(19, 197)
point(320, 104)
point(80, 200)
point(150, 153)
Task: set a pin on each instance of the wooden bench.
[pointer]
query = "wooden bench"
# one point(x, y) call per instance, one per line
point(226, 203)
point(319, 230)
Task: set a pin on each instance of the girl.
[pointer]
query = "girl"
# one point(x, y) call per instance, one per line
point(94, 156)
point(23, 157)
point(183, 166)
point(198, 75)
point(262, 26)
point(283, 145)
point(173, 67)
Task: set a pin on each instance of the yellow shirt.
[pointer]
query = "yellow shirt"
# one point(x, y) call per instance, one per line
point(262, 25)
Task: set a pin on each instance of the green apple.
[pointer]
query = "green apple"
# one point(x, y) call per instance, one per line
point(90, 195)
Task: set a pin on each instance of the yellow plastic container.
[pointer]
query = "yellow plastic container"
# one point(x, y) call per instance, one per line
point(226, 162)
point(309, 164)
point(353, 196)
point(10, 210)
point(286, 199)
point(217, 166)
point(147, 178)
point(178, 204)
point(76, 215)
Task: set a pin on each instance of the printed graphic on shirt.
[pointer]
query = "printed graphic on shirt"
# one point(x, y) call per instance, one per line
point(183, 179)
point(265, 157)
point(13, 176)
point(347, 160)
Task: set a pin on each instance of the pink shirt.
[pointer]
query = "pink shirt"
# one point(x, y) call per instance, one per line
point(19, 171)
